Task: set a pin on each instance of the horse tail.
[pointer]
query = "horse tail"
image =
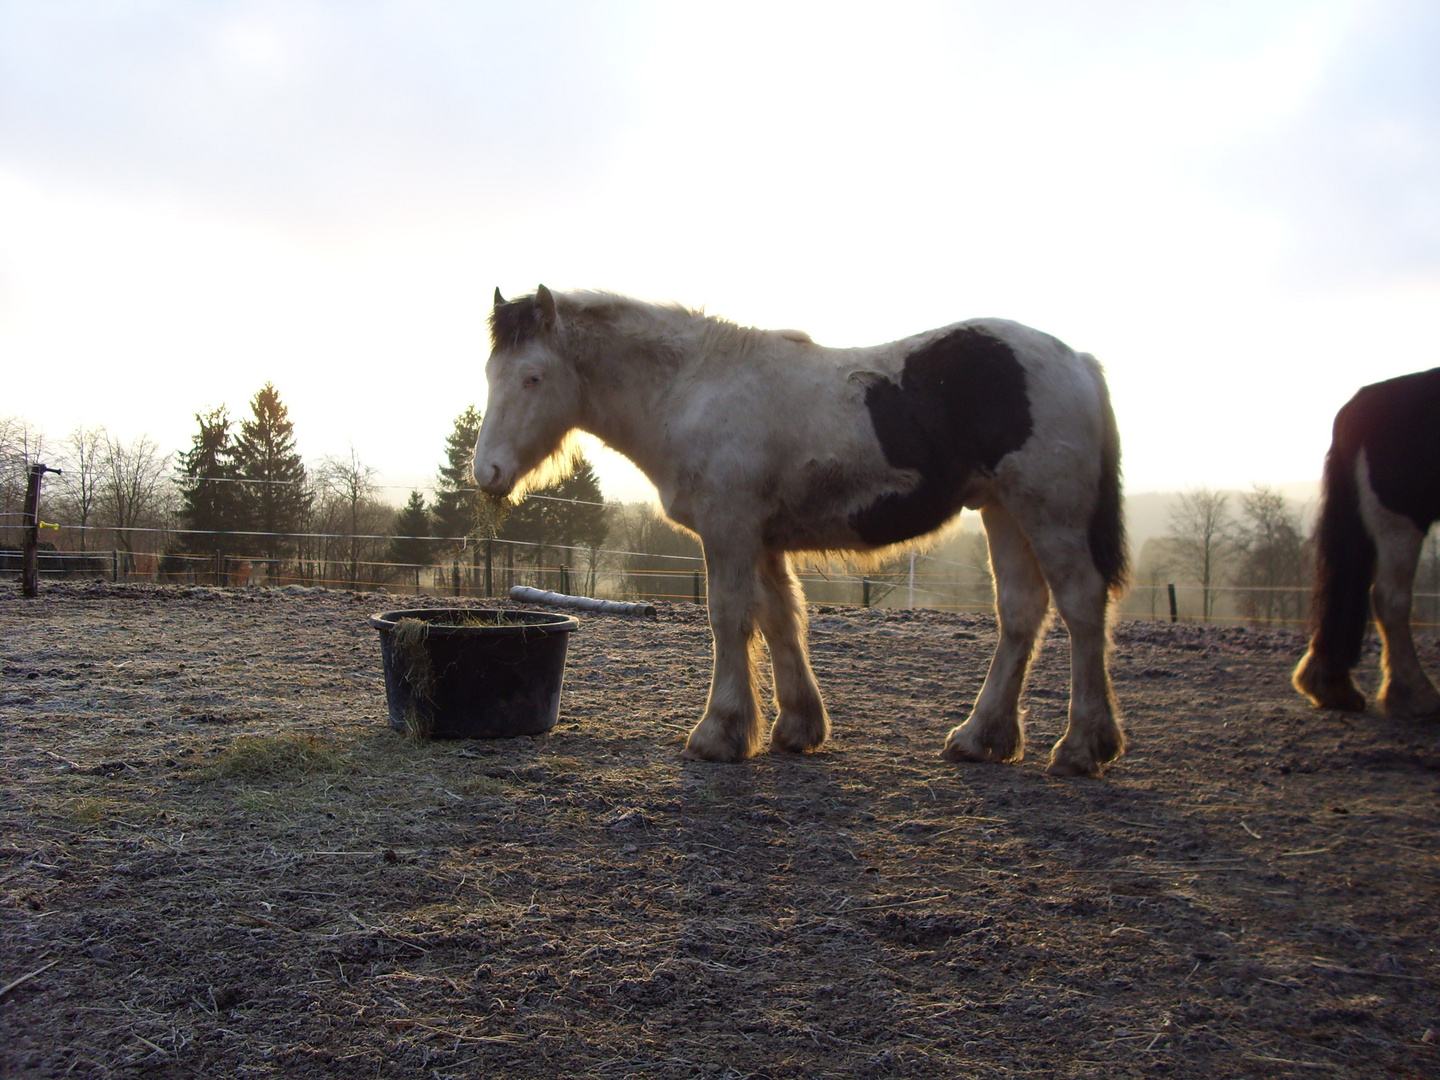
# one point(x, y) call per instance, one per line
point(1109, 549)
point(1344, 560)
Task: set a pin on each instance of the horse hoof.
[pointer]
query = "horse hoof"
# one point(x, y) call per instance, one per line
point(1339, 698)
point(954, 752)
point(716, 740)
point(1073, 767)
point(690, 753)
point(1408, 705)
point(798, 733)
point(1326, 691)
point(1064, 762)
point(1086, 756)
point(701, 752)
point(963, 746)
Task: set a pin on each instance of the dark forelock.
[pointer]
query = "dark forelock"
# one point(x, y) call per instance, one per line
point(515, 322)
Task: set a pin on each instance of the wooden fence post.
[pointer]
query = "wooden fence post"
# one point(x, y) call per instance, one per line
point(1174, 610)
point(30, 562)
point(489, 566)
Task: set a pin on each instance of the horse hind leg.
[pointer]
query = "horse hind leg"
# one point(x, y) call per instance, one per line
point(1340, 608)
point(1093, 735)
point(994, 731)
point(1406, 692)
point(802, 724)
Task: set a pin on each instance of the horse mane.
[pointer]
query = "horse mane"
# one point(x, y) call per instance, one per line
point(515, 322)
point(594, 320)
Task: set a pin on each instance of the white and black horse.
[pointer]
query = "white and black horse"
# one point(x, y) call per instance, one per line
point(1380, 495)
point(764, 443)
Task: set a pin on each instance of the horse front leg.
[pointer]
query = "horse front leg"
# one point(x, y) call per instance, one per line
point(802, 724)
point(730, 729)
point(1022, 603)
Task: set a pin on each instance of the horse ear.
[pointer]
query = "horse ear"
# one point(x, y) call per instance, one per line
point(498, 298)
point(547, 306)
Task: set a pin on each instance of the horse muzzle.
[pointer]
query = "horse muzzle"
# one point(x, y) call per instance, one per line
point(494, 480)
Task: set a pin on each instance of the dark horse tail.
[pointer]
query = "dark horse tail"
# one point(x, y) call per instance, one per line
point(1344, 560)
point(1108, 547)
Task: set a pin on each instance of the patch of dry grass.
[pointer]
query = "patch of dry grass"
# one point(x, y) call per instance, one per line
point(482, 785)
point(88, 810)
point(254, 757)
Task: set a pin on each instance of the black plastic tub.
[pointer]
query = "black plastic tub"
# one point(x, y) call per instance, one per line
point(473, 673)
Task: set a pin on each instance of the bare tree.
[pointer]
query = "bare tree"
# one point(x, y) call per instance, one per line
point(129, 493)
point(347, 489)
point(1200, 528)
point(1272, 556)
point(84, 452)
point(22, 444)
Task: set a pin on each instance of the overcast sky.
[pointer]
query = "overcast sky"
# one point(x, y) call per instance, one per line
point(1236, 206)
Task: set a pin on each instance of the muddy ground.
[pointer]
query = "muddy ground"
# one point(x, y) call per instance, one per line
point(216, 859)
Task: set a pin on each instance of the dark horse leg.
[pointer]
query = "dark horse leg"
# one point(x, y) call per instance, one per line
point(1022, 601)
point(802, 724)
point(1344, 572)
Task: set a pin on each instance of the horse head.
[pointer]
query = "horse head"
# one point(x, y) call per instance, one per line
point(534, 398)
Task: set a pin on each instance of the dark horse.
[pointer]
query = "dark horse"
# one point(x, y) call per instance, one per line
point(1381, 494)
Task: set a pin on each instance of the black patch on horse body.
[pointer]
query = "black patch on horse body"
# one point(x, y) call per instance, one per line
point(960, 407)
point(1397, 424)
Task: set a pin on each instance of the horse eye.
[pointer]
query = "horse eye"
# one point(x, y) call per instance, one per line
point(530, 380)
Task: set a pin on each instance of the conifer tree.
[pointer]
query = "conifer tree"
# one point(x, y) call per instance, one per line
point(211, 500)
point(569, 513)
point(277, 498)
point(457, 510)
point(411, 523)
point(585, 522)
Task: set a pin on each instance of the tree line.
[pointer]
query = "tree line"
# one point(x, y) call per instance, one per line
point(241, 490)
point(1246, 556)
point(1256, 564)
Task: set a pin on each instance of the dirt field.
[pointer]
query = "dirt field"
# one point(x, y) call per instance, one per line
point(218, 860)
